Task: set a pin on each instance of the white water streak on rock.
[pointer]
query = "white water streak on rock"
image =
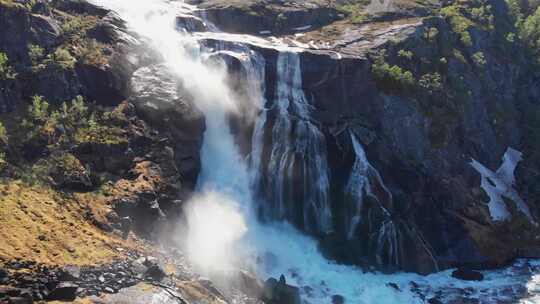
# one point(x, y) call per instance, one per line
point(501, 184)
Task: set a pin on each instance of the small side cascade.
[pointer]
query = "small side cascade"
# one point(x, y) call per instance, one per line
point(296, 186)
point(387, 250)
point(365, 183)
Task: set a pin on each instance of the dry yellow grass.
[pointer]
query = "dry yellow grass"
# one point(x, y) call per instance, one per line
point(39, 224)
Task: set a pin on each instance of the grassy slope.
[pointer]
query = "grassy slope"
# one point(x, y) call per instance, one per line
point(42, 225)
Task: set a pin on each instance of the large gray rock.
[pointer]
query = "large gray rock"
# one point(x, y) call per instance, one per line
point(161, 101)
point(278, 292)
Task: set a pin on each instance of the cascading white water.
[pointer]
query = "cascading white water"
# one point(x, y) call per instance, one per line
point(365, 181)
point(223, 230)
point(360, 184)
point(297, 171)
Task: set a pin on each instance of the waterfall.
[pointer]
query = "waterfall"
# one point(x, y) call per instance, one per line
point(365, 181)
point(297, 171)
point(363, 174)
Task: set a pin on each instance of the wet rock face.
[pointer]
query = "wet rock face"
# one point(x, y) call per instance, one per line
point(161, 101)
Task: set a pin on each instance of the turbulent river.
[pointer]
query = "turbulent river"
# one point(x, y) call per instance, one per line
point(224, 231)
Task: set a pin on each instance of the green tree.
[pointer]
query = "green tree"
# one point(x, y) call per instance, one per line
point(530, 33)
point(431, 82)
point(62, 58)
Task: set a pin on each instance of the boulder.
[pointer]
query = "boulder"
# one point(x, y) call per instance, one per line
point(155, 273)
point(67, 171)
point(338, 299)
point(46, 30)
point(276, 292)
point(467, 274)
point(435, 301)
point(70, 273)
point(64, 291)
point(160, 100)
point(139, 268)
point(246, 282)
point(159, 97)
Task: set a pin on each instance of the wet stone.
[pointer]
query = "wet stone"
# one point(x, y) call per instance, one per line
point(70, 273)
point(108, 290)
point(393, 286)
point(65, 291)
point(435, 301)
point(338, 299)
point(155, 273)
point(467, 274)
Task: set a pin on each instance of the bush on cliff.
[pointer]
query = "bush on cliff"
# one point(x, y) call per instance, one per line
point(530, 33)
point(459, 23)
point(6, 71)
point(90, 52)
point(37, 55)
point(74, 27)
point(431, 82)
point(61, 58)
point(72, 124)
point(63, 170)
point(391, 77)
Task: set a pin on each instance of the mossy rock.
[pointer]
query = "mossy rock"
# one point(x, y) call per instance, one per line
point(64, 171)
